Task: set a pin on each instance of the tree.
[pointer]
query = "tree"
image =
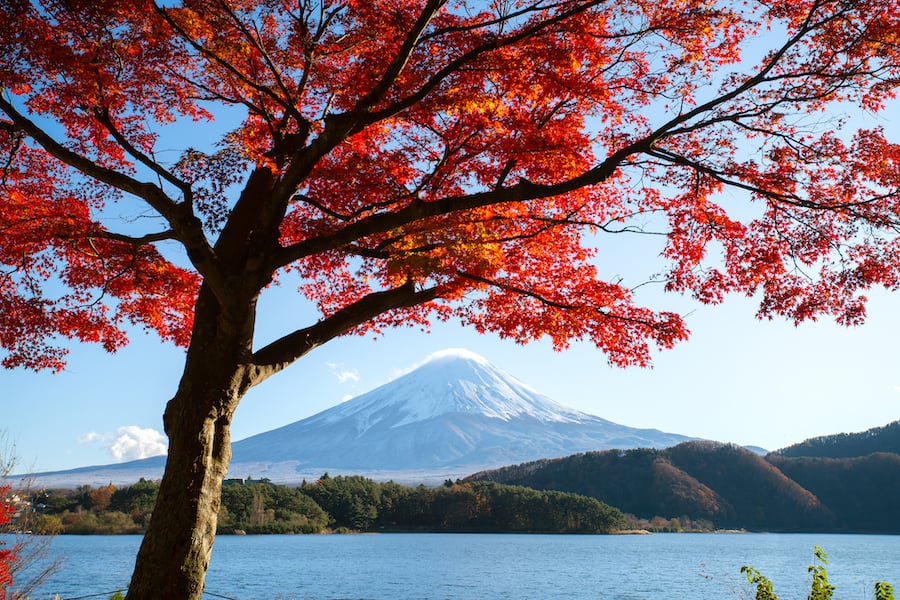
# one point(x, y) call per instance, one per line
point(408, 161)
point(7, 555)
point(25, 560)
point(136, 500)
point(101, 497)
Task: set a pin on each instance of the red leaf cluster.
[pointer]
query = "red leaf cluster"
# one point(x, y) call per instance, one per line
point(474, 153)
point(7, 555)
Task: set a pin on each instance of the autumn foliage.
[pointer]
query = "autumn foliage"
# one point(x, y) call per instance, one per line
point(472, 151)
point(7, 556)
point(401, 162)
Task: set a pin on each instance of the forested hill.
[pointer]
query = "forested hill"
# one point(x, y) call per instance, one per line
point(846, 445)
point(728, 486)
point(862, 491)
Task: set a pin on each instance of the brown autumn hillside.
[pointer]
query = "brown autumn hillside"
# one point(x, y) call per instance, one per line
point(724, 483)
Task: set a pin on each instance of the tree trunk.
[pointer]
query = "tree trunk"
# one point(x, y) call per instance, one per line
point(175, 553)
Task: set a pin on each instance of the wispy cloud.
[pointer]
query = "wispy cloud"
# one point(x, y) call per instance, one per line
point(129, 442)
point(343, 375)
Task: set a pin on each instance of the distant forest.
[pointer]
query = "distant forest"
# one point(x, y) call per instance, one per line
point(735, 488)
point(848, 445)
point(338, 504)
point(839, 483)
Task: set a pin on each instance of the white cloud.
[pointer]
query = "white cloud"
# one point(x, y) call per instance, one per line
point(92, 437)
point(129, 442)
point(343, 375)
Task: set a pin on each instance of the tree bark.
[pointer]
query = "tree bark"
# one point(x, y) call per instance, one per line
point(175, 552)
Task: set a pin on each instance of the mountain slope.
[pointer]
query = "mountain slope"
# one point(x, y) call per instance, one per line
point(762, 496)
point(454, 411)
point(451, 416)
point(722, 483)
point(642, 482)
point(862, 491)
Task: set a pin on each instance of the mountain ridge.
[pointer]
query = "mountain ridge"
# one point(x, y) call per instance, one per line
point(451, 415)
point(848, 445)
point(454, 410)
point(724, 484)
point(728, 486)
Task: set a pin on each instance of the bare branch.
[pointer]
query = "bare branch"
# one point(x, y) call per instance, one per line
point(138, 241)
point(103, 117)
point(553, 303)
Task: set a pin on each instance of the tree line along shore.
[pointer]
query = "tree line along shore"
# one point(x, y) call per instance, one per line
point(332, 504)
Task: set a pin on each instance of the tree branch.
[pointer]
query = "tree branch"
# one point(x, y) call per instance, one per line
point(339, 126)
point(279, 354)
point(263, 90)
point(289, 102)
point(399, 62)
point(507, 287)
point(103, 117)
point(470, 56)
point(150, 193)
point(523, 191)
point(186, 227)
point(777, 197)
point(555, 304)
point(139, 241)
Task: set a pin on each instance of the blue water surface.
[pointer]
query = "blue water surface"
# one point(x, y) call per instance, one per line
point(496, 566)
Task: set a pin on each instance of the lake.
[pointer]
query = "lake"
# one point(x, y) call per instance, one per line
point(496, 566)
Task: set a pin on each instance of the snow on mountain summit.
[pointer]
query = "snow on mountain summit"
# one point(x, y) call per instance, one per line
point(449, 355)
point(454, 381)
point(453, 412)
point(449, 416)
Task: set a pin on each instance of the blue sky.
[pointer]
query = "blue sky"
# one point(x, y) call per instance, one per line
point(737, 380)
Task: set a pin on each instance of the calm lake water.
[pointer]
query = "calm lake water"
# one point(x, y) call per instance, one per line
point(493, 567)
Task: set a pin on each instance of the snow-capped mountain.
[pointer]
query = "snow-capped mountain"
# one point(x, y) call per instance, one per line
point(451, 416)
point(455, 413)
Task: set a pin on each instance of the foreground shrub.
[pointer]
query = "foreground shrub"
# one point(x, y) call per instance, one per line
point(820, 588)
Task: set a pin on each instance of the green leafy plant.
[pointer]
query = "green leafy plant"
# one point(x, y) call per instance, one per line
point(763, 584)
point(884, 591)
point(820, 588)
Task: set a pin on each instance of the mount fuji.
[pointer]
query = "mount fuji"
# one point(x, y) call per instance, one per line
point(453, 415)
